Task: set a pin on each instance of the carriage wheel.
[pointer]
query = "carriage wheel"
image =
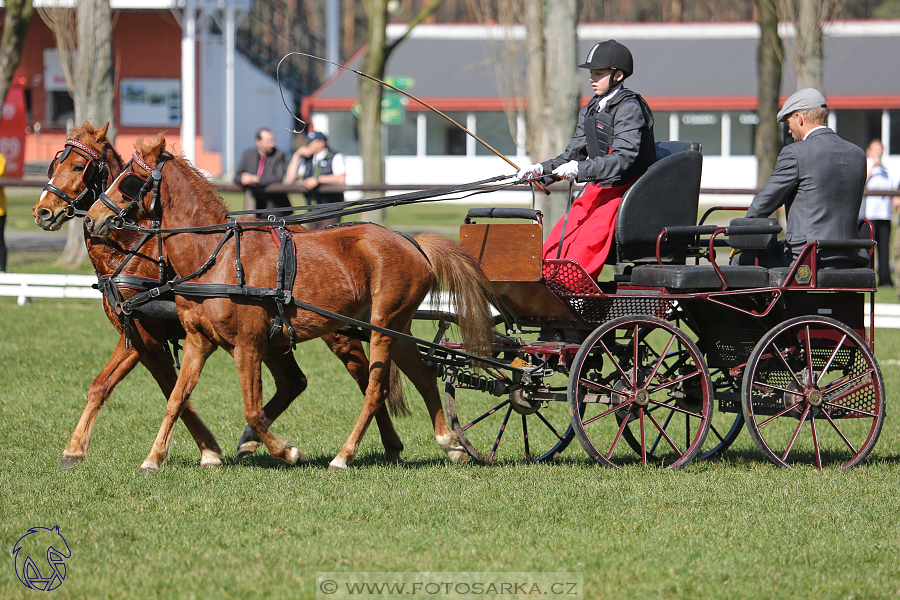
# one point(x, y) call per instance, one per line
point(643, 376)
point(813, 394)
point(493, 429)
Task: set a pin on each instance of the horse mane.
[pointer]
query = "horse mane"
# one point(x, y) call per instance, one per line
point(203, 190)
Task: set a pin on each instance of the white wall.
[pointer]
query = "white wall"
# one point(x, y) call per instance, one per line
point(257, 103)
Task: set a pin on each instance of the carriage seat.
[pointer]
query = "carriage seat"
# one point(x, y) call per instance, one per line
point(667, 195)
point(699, 277)
point(829, 278)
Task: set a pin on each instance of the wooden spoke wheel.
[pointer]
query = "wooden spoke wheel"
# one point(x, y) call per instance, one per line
point(514, 427)
point(813, 394)
point(641, 380)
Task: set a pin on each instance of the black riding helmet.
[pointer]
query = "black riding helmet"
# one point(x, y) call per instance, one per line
point(609, 54)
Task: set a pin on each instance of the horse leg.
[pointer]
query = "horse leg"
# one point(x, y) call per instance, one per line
point(379, 365)
point(410, 362)
point(119, 365)
point(289, 383)
point(160, 366)
point(196, 350)
point(248, 360)
point(351, 353)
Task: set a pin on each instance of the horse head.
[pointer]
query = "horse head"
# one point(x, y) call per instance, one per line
point(133, 193)
point(77, 176)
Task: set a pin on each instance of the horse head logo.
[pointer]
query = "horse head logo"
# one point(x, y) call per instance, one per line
point(50, 549)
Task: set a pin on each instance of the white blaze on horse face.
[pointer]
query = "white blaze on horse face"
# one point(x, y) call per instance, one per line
point(44, 193)
point(115, 184)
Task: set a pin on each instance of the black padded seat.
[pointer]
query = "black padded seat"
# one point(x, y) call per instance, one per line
point(830, 278)
point(698, 277)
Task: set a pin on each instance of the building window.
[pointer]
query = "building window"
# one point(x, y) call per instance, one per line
point(60, 109)
point(706, 128)
point(343, 135)
point(495, 129)
point(894, 134)
point(859, 126)
point(444, 138)
point(743, 131)
point(400, 138)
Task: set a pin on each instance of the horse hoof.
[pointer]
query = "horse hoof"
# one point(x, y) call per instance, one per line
point(337, 465)
point(210, 460)
point(148, 468)
point(70, 461)
point(293, 455)
point(394, 460)
point(246, 449)
point(457, 454)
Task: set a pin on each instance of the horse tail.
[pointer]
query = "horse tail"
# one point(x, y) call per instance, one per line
point(396, 401)
point(459, 274)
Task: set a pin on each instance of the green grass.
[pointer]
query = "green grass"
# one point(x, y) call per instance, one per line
point(732, 528)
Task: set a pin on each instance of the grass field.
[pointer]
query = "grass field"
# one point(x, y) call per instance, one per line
point(731, 528)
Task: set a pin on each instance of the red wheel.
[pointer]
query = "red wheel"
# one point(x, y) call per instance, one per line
point(642, 379)
point(813, 394)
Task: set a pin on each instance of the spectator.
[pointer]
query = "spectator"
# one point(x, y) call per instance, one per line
point(316, 164)
point(878, 209)
point(262, 166)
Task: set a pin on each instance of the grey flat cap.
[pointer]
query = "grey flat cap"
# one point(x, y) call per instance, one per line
point(805, 99)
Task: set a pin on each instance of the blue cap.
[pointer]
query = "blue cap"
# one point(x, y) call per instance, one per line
point(316, 135)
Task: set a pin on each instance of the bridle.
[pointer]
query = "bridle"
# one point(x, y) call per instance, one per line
point(93, 176)
point(135, 187)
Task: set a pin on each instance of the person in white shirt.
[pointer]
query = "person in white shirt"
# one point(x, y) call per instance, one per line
point(316, 164)
point(878, 209)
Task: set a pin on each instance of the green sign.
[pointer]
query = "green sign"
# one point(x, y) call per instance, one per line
point(401, 83)
point(392, 110)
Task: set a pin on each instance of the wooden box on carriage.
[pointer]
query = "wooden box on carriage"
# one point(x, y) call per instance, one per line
point(510, 254)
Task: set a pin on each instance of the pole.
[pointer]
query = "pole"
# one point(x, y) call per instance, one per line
point(229, 91)
point(189, 81)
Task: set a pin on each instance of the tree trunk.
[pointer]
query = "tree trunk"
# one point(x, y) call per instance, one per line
point(370, 92)
point(551, 45)
point(769, 57)
point(809, 43)
point(91, 79)
point(15, 27)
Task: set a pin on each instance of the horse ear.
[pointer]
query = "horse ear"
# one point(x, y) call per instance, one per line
point(101, 133)
point(88, 127)
point(159, 145)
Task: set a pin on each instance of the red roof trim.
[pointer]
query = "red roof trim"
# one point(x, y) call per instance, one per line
point(659, 103)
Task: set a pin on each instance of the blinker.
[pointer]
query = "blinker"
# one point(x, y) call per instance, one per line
point(131, 184)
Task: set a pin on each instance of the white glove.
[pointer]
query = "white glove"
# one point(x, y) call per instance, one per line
point(568, 170)
point(532, 172)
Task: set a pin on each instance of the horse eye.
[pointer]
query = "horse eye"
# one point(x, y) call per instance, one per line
point(78, 168)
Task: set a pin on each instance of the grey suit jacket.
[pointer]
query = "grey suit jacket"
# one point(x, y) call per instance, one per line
point(820, 182)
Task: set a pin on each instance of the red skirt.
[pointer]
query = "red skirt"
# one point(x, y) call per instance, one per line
point(590, 229)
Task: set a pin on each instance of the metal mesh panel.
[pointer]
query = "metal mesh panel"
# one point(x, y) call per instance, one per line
point(568, 280)
point(727, 347)
point(849, 361)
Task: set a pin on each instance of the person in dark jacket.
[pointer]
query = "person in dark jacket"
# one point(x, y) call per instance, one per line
point(613, 145)
point(262, 166)
point(317, 164)
point(819, 179)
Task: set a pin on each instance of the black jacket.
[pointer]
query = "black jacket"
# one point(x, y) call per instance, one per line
point(273, 172)
point(632, 152)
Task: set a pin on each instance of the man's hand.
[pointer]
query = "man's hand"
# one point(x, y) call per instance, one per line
point(532, 172)
point(249, 179)
point(303, 151)
point(310, 183)
point(568, 171)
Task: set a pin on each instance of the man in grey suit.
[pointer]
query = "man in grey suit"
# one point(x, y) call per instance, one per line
point(819, 179)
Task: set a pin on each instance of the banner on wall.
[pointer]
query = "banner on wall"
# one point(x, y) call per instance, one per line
point(12, 130)
point(149, 101)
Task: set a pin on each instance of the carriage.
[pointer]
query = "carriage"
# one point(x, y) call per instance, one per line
point(669, 359)
point(664, 362)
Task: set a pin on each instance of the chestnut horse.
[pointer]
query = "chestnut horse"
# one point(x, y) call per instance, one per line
point(148, 336)
point(362, 271)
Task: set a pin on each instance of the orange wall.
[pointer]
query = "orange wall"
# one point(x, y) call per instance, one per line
point(145, 44)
